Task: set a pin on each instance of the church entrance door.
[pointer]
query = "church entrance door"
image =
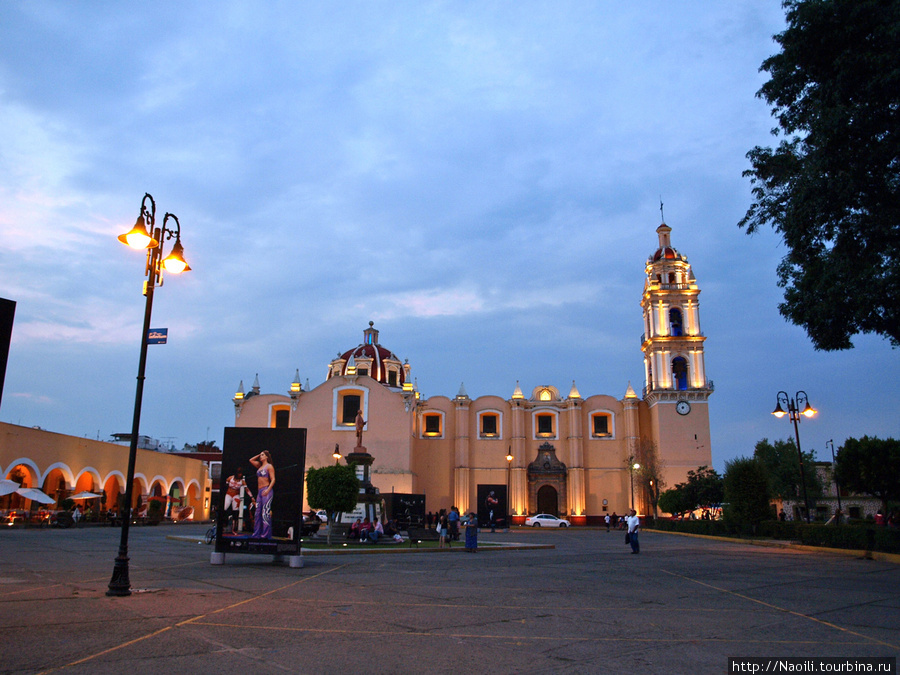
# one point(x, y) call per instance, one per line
point(548, 500)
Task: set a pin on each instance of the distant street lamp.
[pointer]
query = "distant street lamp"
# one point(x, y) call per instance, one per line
point(337, 454)
point(793, 411)
point(837, 486)
point(144, 235)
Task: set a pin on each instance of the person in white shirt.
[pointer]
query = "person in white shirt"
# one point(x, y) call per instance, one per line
point(607, 519)
point(634, 524)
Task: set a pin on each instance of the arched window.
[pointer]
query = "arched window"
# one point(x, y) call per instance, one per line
point(675, 322)
point(680, 373)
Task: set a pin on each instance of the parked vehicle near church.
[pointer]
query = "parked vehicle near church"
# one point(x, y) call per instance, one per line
point(546, 520)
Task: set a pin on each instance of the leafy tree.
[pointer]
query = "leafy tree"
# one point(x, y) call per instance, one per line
point(703, 488)
point(746, 486)
point(333, 488)
point(673, 501)
point(870, 466)
point(832, 186)
point(782, 466)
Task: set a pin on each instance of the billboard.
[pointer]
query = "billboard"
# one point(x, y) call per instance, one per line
point(7, 315)
point(261, 495)
point(492, 506)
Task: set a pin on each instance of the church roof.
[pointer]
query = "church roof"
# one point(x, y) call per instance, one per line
point(370, 351)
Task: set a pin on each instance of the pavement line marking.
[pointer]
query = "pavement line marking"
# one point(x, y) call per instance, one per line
point(261, 595)
point(187, 621)
point(786, 611)
point(500, 636)
point(106, 651)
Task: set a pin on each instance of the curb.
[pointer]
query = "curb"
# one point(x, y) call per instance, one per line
point(393, 549)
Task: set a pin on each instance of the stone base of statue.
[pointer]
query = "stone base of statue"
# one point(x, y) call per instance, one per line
point(368, 504)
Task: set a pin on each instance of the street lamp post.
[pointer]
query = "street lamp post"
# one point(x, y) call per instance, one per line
point(837, 486)
point(509, 459)
point(794, 411)
point(633, 466)
point(144, 235)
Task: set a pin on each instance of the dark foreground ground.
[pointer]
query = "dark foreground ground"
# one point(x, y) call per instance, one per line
point(683, 606)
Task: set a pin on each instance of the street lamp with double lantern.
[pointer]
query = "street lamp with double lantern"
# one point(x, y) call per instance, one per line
point(144, 235)
point(785, 405)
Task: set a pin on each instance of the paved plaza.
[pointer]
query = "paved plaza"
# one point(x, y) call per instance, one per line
point(684, 605)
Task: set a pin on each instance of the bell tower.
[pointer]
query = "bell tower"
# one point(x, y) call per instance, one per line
point(677, 389)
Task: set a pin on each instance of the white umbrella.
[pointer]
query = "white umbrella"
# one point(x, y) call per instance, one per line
point(85, 495)
point(35, 495)
point(7, 487)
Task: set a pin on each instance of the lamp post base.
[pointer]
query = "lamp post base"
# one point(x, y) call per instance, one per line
point(120, 584)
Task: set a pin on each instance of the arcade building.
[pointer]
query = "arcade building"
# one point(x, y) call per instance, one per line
point(549, 450)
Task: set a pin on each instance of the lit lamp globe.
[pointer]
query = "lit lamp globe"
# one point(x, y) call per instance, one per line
point(138, 237)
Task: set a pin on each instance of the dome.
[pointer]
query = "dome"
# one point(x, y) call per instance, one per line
point(665, 250)
point(371, 359)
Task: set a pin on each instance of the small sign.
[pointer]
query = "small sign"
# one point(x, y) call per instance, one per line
point(157, 336)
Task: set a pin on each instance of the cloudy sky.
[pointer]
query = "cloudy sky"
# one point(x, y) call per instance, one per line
point(480, 179)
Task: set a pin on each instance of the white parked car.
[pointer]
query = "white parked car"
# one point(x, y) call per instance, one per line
point(546, 520)
point(322, 515)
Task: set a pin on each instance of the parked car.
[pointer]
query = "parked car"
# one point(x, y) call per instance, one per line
point(546, 520)
point(322, 515)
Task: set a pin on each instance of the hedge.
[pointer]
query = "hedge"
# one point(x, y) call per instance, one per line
point(862, 537)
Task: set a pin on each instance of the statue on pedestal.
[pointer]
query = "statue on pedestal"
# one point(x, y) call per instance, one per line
point(360, 424)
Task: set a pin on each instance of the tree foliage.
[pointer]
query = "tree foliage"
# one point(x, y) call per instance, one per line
point(746, 484)
point(703, 488)
point(782, 465)
point(333, 488)
point(832, 186)
point(673, 501)
point(870, 466)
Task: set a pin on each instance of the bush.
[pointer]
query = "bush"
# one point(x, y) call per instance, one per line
point(856, 537)
point(155, 511)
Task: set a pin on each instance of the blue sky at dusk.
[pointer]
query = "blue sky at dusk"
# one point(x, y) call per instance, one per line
point(481, 180)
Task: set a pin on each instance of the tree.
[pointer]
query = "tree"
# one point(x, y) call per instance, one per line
point(333, 488)
point(673, 501)
point(870, 466)
point(782, 465)
point(832, 186)
point(746, 486)
point(703, 488)
point(649, 476)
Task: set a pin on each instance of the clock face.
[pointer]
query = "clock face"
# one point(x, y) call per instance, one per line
point(682, 407)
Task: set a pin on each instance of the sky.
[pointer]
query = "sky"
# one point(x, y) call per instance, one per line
point(481, 179)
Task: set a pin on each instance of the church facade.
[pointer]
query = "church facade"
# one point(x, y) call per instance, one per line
point(550, 450)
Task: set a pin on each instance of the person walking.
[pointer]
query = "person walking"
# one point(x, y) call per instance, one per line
point(607, 519)
point(472, 533)
point(633, 524)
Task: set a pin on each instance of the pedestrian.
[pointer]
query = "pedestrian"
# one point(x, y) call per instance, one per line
point(633, 524)
point(442, 530)
point(472, 533)
point(453, 522)
point(607, 519)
